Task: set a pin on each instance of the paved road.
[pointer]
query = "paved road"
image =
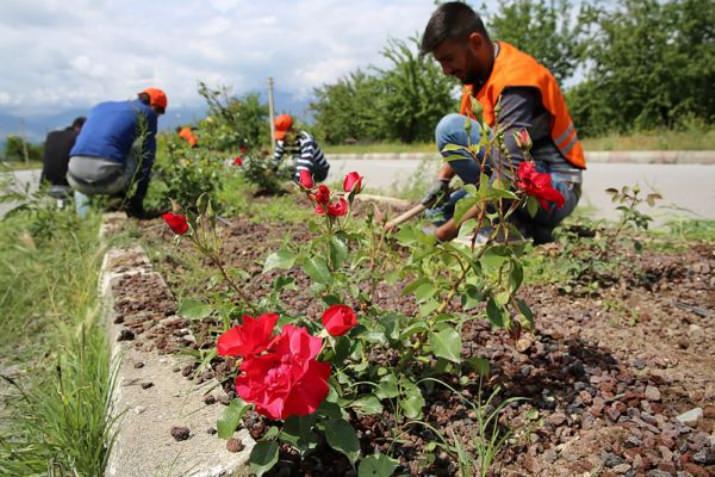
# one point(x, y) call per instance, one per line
point(687, 190)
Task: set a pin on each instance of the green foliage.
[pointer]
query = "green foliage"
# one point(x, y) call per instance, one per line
point(349, 109)
point(544, 29)
point(233, 122)
point(417, 93)
point(17, 149)
point(402, 102)
point(55, 417)
point(267, 177)
point(182, 175)
point(651, 63)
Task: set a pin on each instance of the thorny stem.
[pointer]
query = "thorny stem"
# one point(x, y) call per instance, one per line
point(217, 262)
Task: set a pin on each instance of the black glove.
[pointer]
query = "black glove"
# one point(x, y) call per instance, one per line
point(438, 191)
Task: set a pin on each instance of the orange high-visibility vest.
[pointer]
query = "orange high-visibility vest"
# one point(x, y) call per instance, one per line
point(513, 68)
point(188, 136)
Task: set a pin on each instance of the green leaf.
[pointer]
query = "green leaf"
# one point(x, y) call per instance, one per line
point(480, 365)
point(387, 387)
point(378, 465)
point(263, 457)
point(463, 206)
point(342, 437)
point(193, 309)
point(415, 285)
point(502, 298)
point(516, 276)
point(495, 313)
point(532, 206)
point(525, 311)
point(425, 291)
point(228, 422)
point(298, 431)
point(317, 270)
point(367, 405)
point(284, 259)
point(413, 402)
point(338, 251)
point(447, 344)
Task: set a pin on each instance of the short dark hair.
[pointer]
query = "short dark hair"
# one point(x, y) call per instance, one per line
point(450, 21)
point(78, 122)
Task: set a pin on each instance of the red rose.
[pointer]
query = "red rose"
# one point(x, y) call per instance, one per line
point(287, 381)
point(250, 338)
point(336, 209)
point(352, 182)
point(238, 161)
point(322, 196)
point(522, 139)
point(339, 319)
point(243, 149)
point(538, 184)
point(176, 222)
point(306, 179)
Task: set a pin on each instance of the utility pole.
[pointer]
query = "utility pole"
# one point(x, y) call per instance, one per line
point(271, 110)
point(24, 144)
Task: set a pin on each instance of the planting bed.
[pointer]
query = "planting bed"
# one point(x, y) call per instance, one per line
point(606, 377)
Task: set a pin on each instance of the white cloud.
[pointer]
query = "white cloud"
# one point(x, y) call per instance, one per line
point(59, 54)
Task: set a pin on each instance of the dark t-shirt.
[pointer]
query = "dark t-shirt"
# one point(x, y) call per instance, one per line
point(57, 155)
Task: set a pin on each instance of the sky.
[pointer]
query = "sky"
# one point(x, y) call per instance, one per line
point(59, 55)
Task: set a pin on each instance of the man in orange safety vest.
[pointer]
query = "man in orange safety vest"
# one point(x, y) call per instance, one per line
point(515, 92)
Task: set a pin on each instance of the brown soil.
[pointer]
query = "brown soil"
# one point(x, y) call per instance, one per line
point(608, 374)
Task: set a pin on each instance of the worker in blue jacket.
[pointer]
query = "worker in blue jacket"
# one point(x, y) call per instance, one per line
point(116, 149)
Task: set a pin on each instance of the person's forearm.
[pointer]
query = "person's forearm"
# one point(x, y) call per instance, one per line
point(445, 172)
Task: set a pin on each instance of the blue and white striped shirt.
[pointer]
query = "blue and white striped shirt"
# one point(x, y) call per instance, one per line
point(306, 154)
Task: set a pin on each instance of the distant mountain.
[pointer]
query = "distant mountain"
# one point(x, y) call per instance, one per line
point(36, 127)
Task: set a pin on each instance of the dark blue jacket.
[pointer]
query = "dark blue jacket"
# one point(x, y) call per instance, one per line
point(111, 129)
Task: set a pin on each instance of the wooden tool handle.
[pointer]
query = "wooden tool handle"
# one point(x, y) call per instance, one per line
point(416, 210)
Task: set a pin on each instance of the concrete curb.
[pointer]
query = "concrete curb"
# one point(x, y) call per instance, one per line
point(607, 157)
point(145, 413)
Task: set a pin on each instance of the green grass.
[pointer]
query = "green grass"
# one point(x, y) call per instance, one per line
point(695, 139)
point(53, 420)
point(19, 165)
point(663, 140)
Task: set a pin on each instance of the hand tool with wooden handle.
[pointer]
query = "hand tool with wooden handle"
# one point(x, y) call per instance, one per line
point(416, 210)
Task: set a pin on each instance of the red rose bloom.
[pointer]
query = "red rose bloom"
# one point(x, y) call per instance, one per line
point(322, 195)
point(238, 161)
point(306, 179)
point(176, 222)
point(352, 182)
point(339, 319)
point(249, 339)
point(538, 184)
point(336, 209)
point(287, 381)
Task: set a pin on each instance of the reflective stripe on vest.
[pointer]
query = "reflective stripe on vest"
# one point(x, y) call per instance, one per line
point(514, 68)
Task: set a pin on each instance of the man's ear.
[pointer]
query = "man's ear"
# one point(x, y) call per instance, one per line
point(475, 41)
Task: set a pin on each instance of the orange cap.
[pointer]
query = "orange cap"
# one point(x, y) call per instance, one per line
point(282, 124)
point(157, 98)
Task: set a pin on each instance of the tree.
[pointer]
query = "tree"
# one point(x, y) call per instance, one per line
point(652, 63)
point(545, 30)
point(232, 122)
point(416, 92)
point(17, 149)
point(349, 109)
